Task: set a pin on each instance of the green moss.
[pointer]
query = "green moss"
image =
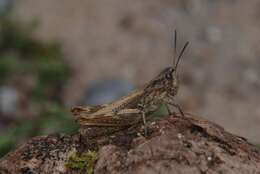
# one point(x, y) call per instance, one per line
point(83, 163)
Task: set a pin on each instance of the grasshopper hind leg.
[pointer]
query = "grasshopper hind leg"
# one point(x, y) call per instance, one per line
point(141, 108)
point(144, 122)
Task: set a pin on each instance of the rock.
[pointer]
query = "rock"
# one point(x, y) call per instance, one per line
point(46, 154)
point(174, 144)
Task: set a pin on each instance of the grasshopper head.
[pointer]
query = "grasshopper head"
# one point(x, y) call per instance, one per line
point(167, 81)
point(170, 81)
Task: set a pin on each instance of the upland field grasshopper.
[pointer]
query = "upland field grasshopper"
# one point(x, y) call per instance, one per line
point(136, 106)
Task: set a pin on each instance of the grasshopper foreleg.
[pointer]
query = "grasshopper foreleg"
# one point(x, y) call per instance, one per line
point(175, 105)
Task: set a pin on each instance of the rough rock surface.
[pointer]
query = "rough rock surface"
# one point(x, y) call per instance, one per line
point(46, 154)
point(174, 144)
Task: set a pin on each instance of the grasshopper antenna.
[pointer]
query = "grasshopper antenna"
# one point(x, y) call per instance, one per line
point(182, 51)
point(175, 48)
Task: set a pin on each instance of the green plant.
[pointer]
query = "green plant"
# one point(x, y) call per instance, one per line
point(84, 163)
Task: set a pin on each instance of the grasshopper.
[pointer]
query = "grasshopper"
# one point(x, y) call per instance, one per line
point(134, 107)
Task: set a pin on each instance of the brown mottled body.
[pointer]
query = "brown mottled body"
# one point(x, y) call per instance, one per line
point(134, 107)
point(126, 110)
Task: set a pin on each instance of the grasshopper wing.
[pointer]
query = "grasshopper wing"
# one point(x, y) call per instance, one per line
point(108, 121)
point(87, 110)
point(84, 116)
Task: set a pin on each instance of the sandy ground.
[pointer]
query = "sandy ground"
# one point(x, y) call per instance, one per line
point(132, 39)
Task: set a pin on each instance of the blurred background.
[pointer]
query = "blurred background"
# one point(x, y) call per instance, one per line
point(57, 54)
